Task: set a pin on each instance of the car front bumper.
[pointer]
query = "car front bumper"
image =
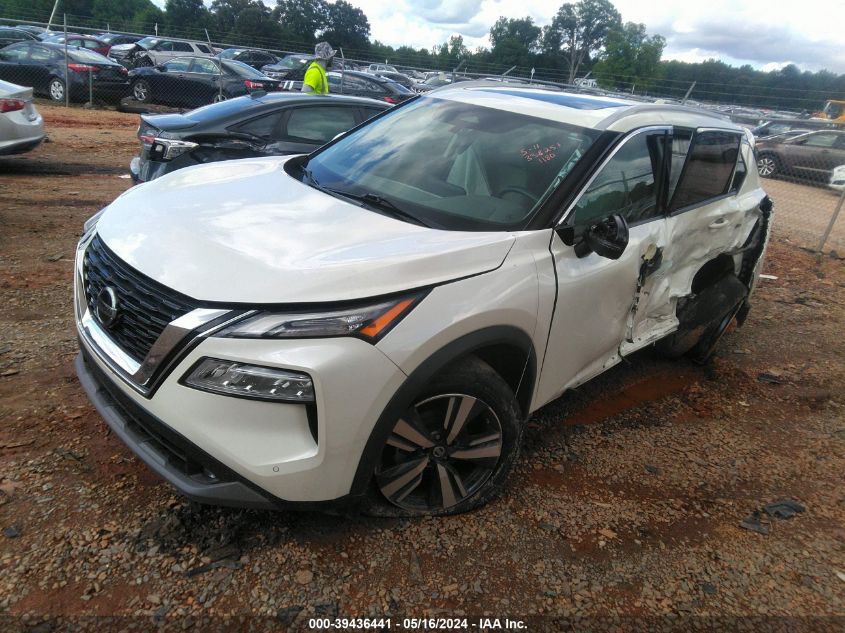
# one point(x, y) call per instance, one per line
point(241, 451)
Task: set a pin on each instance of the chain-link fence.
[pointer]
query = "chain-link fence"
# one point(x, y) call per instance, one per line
point(804, 173)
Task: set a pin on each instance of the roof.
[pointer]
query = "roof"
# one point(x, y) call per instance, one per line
point(576, 108)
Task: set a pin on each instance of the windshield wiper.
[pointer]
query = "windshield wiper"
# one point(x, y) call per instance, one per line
point(377, 201)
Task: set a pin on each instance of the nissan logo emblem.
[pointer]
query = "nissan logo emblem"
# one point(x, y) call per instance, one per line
point(107, 308)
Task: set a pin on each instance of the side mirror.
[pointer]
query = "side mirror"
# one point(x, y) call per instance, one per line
point(606, 238)
point(161, 69)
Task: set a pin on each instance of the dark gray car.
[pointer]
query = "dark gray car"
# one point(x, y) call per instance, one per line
point(811, 156)
point(246, 127)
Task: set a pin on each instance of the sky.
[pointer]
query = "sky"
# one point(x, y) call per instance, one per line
point(768, 34)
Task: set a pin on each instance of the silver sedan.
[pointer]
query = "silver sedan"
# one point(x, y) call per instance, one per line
point(21, 127)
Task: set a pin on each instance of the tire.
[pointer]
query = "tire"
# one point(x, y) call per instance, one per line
point(141, 91)
point(56, 89)
point(217, 98)
point(453, 449)
point(768, 165)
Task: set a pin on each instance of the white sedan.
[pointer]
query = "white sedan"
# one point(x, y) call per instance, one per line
point(21, 127)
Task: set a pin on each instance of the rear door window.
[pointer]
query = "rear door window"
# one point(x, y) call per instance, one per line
point(319, 124)
point(205, 66)
point(41, 54)
point(182, 47)
point(821, 139)
point(265, 127)
point(709, 168)
point(178, 64)
point(204, 49)
point(14, 54)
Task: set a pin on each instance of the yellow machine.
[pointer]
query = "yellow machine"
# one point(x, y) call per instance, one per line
point(833, 110)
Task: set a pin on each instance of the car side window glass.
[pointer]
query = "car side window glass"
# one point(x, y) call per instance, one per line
point(164, 46)
point(821, 140)
point(840, 141)
point(179, 64)
point(40, 54)
point(205, 66)
point(182, 47)
point(203, 48)
point(265, 127)
point(14, 54)
point(708, 170)
point(92, 44)
point(625, 185)
point(319, 124)
point(369, 113)
point(681, 140)
point(739, 174)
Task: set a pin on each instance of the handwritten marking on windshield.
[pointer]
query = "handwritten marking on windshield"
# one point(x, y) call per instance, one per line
point(539, 154)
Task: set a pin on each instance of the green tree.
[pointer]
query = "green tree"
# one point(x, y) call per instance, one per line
point(301, 19)
point(346, 27)
point(187, 18)
point(513, 41)
point(630, 57)
point(579, 31)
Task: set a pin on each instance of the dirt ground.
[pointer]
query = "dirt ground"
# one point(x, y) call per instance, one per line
point(625, 506)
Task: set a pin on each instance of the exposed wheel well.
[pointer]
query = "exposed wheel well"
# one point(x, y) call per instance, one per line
point(511, 363)
point(711, 272)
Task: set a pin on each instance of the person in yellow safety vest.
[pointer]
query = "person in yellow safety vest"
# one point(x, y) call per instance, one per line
point(315, 77)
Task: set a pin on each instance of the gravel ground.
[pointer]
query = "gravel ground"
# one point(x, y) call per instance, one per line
point(626, 502)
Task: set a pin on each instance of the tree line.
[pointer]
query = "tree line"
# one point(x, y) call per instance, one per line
point(583, 39)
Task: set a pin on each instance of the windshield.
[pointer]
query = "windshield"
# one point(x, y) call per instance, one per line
point(293, 62)
point(453, 165)
point(82, 55)
point(242, 70)
point(148, 42)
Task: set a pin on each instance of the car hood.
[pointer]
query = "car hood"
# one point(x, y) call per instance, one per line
point(246, 232)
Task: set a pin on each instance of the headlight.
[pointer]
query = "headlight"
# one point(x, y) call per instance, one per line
point(370, 322)
point(250, 381)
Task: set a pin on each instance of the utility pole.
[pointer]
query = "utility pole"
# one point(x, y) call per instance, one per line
point(52, 14)
point(67, 83)
point(686, 96)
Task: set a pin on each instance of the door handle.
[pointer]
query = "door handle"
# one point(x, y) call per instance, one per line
point(719, 224)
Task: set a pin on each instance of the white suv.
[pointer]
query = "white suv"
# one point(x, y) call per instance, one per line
point(374, 322)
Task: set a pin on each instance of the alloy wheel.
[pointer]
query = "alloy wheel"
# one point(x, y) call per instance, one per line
point(57, 90)
point(440, 452)
point(766, 166)
point(141, 91)
point(219, 97)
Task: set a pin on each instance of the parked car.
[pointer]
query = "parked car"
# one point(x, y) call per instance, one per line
point(808, 156)
point(152, 51)
point(374, 322)
point(115, 39)
point(381, 68)
point(778, 126)
point(290, 70)
point(82, 41)
point(366, 85)
point(31, 28)
point(837, 178)
point(195, 81)
point(398, 78)
point(10, 35)
point(272, 124)
point(41, 65)
point(249, 56)
point(437, 81)
point(21, 127)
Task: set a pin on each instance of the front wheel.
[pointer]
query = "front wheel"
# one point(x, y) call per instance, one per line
point(56, 89)
point(767, 166)
point(453, 448)
point(218, 97)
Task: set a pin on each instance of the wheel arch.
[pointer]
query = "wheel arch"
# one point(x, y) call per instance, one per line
point(507, 349)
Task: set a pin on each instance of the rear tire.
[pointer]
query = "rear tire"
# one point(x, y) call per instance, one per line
point(56, 89)
point(141, 91)
point(217, 98)
point(453, 449)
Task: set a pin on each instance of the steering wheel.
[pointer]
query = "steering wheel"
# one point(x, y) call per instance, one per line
point(523, 192)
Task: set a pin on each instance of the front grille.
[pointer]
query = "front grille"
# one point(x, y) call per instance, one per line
point(145, 306)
